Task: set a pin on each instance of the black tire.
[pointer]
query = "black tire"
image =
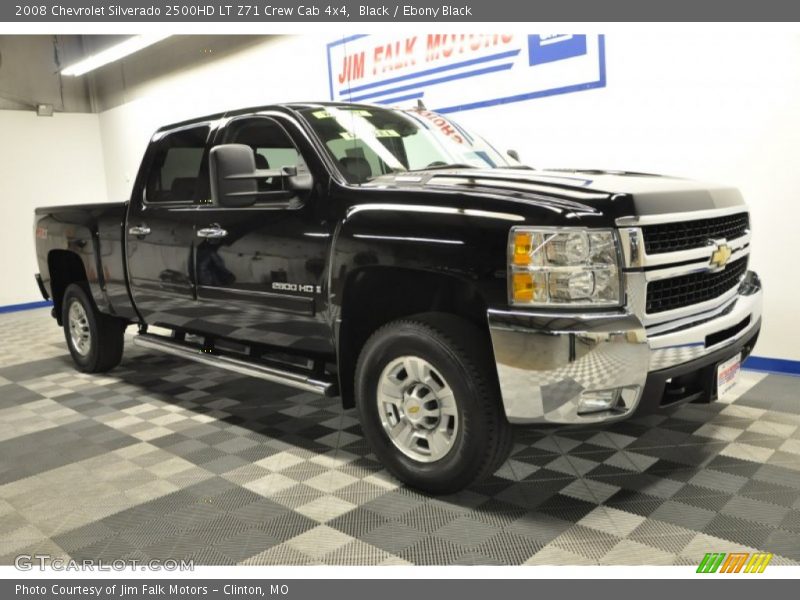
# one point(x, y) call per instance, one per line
point(462, 355)
point(106, 334)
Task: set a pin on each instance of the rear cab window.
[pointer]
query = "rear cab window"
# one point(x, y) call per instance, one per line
point(175, 172)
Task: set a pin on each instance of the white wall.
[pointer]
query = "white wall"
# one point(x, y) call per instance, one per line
point(279, 70)
point(709, 106)
point(43, 161)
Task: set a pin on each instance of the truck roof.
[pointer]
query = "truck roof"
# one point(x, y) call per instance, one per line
point(286, 106)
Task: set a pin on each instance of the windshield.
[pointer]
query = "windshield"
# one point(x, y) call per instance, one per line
point(370, 142)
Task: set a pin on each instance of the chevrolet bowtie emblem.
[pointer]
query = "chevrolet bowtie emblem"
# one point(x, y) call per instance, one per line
point(721, 255)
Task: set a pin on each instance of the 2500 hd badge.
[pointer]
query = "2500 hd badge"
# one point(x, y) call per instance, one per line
point(296, 287)
point(442, 289)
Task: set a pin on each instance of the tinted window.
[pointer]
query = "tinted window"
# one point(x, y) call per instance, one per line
point(175, 173)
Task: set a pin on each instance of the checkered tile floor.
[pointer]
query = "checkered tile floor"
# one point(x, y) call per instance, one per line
point(164, 458)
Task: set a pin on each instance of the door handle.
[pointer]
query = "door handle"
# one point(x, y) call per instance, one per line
point(213, 232)
point(139, 230)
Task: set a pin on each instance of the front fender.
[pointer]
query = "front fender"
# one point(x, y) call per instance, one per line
point(469, 245)
point(389, 262)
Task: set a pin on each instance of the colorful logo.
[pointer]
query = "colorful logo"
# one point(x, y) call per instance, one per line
point(721, 255)
point(734, 562)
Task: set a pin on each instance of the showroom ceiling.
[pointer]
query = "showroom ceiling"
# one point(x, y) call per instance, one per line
point(30, 68)
point(135, 75)
point(29, 73)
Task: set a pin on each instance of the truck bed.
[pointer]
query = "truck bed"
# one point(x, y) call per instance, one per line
point(87, 236)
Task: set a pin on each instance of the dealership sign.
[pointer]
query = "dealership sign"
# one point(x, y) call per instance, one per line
point(453, 72)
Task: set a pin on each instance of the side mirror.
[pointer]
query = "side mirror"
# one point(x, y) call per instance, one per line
point(234, 177)
point(232, 169)
point(299, 180)
point(513, 154)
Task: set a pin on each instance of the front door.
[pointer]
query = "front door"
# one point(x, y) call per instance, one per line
point(261, 269)
point(159, 237)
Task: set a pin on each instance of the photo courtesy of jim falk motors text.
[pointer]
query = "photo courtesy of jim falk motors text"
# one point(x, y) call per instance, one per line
point(127, 590)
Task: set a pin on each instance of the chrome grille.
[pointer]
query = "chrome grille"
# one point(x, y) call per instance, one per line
point(686, 235)
point(694, 288)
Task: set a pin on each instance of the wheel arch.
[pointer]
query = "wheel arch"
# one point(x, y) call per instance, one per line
point(65, 267)
point(378, 294)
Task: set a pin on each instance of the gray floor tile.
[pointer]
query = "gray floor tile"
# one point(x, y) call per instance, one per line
point(233, 470)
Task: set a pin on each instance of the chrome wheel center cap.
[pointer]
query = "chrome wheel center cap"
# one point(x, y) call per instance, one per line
point(417, 408)
point(420, 407)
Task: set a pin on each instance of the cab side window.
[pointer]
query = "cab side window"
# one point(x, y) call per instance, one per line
point(272, 147)
point(175, 173)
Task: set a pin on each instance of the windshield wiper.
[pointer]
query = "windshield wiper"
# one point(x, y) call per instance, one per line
point(468, 166)
point(445, 166)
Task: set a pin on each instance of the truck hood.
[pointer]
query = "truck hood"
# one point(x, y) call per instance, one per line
point(584, 191)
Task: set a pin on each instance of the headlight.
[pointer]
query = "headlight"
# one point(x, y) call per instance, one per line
point(576, 267)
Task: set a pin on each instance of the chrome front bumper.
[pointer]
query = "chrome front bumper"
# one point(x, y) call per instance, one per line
point(547, 362)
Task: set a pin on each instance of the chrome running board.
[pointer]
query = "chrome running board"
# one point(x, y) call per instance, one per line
point(301, 381)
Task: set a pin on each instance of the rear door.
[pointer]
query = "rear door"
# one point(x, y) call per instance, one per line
point(160, 238)
point(261, 269)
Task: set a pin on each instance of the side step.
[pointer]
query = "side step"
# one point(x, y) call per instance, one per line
point(293, 379)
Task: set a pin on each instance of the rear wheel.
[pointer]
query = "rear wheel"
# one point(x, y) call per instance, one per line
point(429, 403)
point(95, 340)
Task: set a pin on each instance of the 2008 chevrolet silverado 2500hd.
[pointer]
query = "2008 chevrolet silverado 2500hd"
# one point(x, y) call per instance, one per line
point(395, 259)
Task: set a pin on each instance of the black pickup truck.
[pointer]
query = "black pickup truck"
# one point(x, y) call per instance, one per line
point(399, 261)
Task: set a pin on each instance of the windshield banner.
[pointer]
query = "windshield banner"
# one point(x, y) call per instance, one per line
point(478, 69)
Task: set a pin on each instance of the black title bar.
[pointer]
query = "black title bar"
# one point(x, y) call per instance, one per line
point(359, 11)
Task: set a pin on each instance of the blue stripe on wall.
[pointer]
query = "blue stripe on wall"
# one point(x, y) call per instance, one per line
point(433, 71)
point(772, 365)
point(401, 98)
point(428, 82)
point(25, 306)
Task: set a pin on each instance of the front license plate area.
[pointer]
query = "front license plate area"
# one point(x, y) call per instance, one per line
point(727, 374)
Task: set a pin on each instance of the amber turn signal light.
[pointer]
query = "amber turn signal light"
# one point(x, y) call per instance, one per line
point(522, 248)
point(523, 287)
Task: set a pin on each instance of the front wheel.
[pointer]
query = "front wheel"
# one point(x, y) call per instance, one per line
point(429, 403)
point(95, 340)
